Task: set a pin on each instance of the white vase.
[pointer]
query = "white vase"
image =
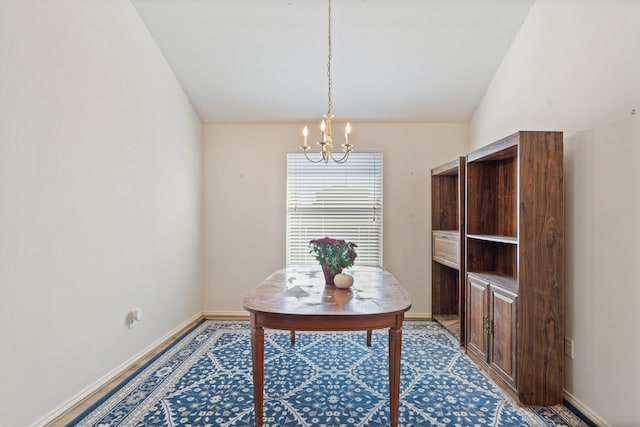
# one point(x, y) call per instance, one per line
point(343, 281)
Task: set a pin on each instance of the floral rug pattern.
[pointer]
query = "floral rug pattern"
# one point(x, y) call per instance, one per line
point(325, 379)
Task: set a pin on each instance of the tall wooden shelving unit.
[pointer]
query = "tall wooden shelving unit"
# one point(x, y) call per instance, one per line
point(514, 263)
point(447, 243)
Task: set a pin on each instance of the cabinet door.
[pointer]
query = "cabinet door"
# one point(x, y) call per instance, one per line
point(477, 318)
point(502, 354)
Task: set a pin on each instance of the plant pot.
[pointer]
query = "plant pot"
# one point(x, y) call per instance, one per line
point(328, 276)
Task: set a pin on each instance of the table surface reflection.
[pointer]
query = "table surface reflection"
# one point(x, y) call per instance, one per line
point(301, 290)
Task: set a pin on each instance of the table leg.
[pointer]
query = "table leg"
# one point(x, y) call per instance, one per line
point(395, 350)
point(257, 351)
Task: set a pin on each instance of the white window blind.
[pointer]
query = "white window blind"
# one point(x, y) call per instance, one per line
point(342, 201)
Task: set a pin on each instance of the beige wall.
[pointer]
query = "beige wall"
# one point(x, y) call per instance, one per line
point(574, 67)
point(100, 199)
point(245, 195)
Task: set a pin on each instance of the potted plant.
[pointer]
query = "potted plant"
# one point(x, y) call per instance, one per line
point(333, 255)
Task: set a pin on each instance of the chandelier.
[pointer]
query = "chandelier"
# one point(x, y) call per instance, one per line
point(326, 139)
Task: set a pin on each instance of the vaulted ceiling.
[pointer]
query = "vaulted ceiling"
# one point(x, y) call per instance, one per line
point(393, 60)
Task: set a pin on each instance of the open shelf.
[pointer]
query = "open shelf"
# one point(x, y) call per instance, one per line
point(492, 255)
point(492, 202)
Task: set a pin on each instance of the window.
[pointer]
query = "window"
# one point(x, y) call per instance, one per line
point(343, 201)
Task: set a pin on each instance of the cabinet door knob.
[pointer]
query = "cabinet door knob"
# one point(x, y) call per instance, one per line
point(487, 325)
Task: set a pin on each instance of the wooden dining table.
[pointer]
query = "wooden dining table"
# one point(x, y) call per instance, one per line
point(296, 298)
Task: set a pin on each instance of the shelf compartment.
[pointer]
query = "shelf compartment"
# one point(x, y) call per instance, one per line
point(492, 255)
point(492, 201)
point(445, 303)
point(445, 296)
point(446, 197)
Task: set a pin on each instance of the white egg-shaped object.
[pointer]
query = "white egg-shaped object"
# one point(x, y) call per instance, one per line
point(343, 281)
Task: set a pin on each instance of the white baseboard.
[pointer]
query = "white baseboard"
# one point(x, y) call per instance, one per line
point(114, 373)
point(231, 315)
point(584, 410)
point(417, 316)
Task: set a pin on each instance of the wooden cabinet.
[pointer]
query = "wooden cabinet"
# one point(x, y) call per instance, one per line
point(514, 264)
point(447, 243)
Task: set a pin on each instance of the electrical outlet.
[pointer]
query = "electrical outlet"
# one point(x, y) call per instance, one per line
point(134, 316)
point(568, 347)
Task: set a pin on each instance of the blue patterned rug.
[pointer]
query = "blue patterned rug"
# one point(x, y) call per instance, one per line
point(325, 379)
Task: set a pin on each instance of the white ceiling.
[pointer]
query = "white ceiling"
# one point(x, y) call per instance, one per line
point(393, 60)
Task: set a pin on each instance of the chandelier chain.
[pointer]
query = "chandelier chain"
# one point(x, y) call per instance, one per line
point(329, 61)
point(326, 141)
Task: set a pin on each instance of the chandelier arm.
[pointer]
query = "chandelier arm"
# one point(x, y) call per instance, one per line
point(321, 159)
point(343, 159)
